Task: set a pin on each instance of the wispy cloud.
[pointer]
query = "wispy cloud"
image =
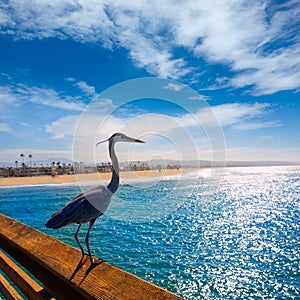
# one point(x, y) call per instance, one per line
point(264, 57)
point(256, 125)
point(266, 154)
point(200, 98)
point(176, 130)
point(83, 86)
point(88, 89)
point(7, 96)
point(24, 124)
point(63, 127)
point(174, 86)
point(4, 128)
point(19, 94)
point(240, 116)
point(234, 115)
point(48, 97)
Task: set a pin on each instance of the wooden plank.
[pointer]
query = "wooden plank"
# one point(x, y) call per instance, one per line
point(54, 263)
point(7, 290)
point(25, 283)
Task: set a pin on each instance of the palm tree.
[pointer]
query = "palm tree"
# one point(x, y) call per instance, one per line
point(16, 162)
point(59, 167)
point(30, 158)
point(22, 155)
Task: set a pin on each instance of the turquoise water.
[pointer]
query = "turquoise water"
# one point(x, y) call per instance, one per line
point(235, 236)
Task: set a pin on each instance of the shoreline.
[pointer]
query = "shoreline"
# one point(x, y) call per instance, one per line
point(35, 180)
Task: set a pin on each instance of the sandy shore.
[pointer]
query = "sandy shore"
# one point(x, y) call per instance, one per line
point(11, 181)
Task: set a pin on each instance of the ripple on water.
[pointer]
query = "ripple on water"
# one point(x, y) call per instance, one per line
point(232, 239)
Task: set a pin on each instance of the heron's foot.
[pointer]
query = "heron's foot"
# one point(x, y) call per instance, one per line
point(96, 262)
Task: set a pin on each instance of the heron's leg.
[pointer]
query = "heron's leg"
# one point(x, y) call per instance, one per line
point(77, 240)
point(87, 239)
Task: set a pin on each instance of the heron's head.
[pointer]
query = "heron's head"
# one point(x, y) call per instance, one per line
point(120, 137)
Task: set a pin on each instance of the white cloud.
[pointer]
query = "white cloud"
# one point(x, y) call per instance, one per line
point(264, 154)
point(88, 89)
point(94, 114)
point(5, 128)
point(174, 86)
point(98, 124)
point(21, 93)
point(7, 96)
point(264, 56)
point(256, 125)
point(83, 86)
point(48, 97)
point(241, 116)
point(63, 127)
point(200, 98)
point(24, 124)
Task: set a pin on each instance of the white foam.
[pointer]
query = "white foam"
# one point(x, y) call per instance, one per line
point(38, 185)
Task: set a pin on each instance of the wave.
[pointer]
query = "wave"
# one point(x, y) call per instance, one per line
point(38, 185)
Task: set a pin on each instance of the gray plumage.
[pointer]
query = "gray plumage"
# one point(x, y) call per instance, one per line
point(90, 205)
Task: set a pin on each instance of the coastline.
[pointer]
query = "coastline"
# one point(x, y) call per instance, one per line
point(27, 181)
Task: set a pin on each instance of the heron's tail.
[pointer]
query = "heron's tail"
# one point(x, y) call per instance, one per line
point(56, 221)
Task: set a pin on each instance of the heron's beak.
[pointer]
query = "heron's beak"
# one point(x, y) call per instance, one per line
point(138, 141)
point(101, 142)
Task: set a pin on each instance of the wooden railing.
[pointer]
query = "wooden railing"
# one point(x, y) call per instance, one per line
point(57, 272)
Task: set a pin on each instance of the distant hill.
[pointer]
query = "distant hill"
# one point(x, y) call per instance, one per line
point(164, 163)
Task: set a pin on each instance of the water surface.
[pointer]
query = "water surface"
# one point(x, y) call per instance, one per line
point(203, 238)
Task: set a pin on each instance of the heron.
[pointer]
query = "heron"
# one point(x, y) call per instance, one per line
point(88, 206)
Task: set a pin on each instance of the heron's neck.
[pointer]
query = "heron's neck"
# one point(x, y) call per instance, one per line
point(114, 183)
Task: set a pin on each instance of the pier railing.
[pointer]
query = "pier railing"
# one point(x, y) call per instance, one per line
point(55, 272)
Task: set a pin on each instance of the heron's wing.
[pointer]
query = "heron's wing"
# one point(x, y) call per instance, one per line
point(79, 210)
point(99, 197)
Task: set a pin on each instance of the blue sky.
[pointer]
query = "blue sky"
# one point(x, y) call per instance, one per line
point(241, 57)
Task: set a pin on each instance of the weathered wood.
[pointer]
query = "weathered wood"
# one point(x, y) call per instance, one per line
point(54, 263)
point(25, 283)
point(7, 290)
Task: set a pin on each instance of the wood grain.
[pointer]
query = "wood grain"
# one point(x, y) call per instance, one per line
point(55, 263)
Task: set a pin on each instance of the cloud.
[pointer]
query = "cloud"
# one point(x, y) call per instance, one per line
point(88, 89)
point(83, 86)
point(48, 97)
point(174, 86)
point(7, 96)
point(186, 131)
point(24, 124)
point(18, 94)
point(63, 127)
point(5, 128)
point(264, 154)
point(256, 125)
point(239, 116)
point(264, 57)
point(200, 98)
point(94, 114)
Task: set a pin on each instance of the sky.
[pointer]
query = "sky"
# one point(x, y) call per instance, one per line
point(196, 79)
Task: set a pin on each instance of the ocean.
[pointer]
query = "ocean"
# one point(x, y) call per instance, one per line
point(204, 235)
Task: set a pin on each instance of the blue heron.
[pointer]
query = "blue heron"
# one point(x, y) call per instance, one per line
point(90, 205)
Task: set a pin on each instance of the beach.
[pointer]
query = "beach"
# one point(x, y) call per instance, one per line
point(16, 181)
